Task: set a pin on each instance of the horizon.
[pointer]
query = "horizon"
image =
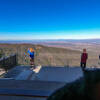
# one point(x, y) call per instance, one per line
point(49, 19)
point(51, 40)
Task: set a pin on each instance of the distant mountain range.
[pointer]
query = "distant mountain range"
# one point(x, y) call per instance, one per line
point(95, 41)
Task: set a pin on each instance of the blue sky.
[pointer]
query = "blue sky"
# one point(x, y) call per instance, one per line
point(49, 19)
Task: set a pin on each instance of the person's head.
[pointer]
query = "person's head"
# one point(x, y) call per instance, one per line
point(84, 50)
point(31, 50)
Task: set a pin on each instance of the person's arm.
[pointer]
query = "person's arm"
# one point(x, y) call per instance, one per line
point(28, 51)
point(87, 56)
point(81, 55)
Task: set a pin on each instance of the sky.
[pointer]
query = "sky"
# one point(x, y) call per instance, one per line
point(49, 19)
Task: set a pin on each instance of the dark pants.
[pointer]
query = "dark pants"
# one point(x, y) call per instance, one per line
point(31, 61)
point(83, 65)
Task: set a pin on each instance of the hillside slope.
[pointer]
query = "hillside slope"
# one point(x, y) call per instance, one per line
point(44, 55)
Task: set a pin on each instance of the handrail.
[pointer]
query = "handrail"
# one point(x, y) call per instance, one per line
point(8, 62)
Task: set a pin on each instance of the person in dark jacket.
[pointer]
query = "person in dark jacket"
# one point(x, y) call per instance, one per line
point(84, 57)
point(99, 56)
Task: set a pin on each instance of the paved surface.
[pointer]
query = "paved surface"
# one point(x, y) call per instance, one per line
point(21, 72)
point(25, 89)
point(42, 81)
point(20, 98)
point(14, 72)
point(25, 92)
point(34, 85)
point(25, 75)
point(58, 74)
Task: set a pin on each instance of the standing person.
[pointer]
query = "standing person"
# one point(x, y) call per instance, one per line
point(31, 54)
point(99, 60)
point(84, 57)
point(99, 56)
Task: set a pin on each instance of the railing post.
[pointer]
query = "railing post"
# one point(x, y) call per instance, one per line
point(15, 59)
point(4, 61)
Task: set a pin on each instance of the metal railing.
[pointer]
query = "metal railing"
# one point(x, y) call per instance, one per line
point(8, 62)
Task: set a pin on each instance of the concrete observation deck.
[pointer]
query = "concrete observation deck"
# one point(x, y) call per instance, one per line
point(21, 82)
